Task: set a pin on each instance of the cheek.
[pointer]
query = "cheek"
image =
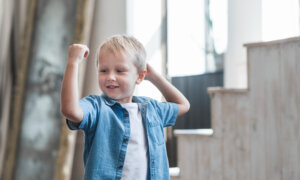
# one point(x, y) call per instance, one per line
point(122, 80)
point(100, 80)
point(126, 81)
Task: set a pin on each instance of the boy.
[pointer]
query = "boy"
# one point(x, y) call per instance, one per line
point(124, 135)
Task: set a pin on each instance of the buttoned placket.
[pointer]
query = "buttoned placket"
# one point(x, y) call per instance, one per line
point(121, 159)
point(143, 109)
point(151, 168)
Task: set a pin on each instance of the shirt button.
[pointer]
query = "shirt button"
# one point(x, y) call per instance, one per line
point(125, 114)
point(120, 167)
point(126, 139)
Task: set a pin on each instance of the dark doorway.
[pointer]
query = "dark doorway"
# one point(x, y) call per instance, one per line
point(198, 117)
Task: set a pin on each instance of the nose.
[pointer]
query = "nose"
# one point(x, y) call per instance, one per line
point(111, 76)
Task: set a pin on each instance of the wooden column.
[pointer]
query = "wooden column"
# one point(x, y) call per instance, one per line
point(18, 95)
point(6, 21)
point(38, 146)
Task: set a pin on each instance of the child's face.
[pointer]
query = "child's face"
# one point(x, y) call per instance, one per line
point(117, 76)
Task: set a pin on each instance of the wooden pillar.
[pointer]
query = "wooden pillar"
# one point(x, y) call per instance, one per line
point(6, 21)
point(39, 145)
point(18, 96)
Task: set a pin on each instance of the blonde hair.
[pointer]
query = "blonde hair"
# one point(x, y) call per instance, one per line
point(125, 44)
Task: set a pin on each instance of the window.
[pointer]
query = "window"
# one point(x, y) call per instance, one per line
point(197, 36)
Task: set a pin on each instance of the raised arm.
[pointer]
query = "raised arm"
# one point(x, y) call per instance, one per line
point(170, 93)
point(69, 93)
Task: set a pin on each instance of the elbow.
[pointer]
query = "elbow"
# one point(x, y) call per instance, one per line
point(69, 113)
point(183, 108)
point(65, 111)
point(186, 106)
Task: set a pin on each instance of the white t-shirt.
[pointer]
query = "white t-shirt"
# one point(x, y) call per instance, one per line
point(136, 159)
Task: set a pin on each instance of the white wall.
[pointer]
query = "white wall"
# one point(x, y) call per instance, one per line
point(253, 21)
point(144, 21)
point(109, 19)
point(280, 19)
point(244, 25)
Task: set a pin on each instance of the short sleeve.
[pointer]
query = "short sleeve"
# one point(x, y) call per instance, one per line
point(167, 111)
point(90, 107)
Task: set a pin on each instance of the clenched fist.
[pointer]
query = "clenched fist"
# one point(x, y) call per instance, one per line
point(77, 52)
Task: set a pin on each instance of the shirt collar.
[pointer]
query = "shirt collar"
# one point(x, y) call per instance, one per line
point(110, 102)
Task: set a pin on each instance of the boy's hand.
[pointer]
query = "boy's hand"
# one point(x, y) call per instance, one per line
point(151, 73)
point(77, 52)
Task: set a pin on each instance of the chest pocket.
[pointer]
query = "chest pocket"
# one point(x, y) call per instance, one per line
point(157, 133)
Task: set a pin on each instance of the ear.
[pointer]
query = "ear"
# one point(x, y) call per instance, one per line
point(141, 76)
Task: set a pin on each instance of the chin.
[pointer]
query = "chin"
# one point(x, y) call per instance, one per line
point(114, 97)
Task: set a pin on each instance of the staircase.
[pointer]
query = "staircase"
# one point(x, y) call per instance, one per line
point(255, 132)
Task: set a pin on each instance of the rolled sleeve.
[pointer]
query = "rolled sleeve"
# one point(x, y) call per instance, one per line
point(168, 112)
point(89, 106)
point(72, 125)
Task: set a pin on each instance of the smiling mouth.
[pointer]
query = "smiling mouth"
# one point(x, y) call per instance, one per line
point(111, 87)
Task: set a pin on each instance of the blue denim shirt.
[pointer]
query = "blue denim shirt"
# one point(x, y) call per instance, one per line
point(107, 131)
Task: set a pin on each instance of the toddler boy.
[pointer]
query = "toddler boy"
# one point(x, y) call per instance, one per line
point(124, 136)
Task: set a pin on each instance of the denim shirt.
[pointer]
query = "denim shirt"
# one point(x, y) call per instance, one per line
point(107, 131)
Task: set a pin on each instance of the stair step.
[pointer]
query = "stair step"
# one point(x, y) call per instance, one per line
point(201, 132)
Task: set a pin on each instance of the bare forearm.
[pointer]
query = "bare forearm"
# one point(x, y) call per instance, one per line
point(69, 94)
point(170, 93)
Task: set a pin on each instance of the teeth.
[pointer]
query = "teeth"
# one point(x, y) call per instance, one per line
point(111, 86)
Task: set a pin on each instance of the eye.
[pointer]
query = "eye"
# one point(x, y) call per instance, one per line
point(103, 70)
point(120, 70)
